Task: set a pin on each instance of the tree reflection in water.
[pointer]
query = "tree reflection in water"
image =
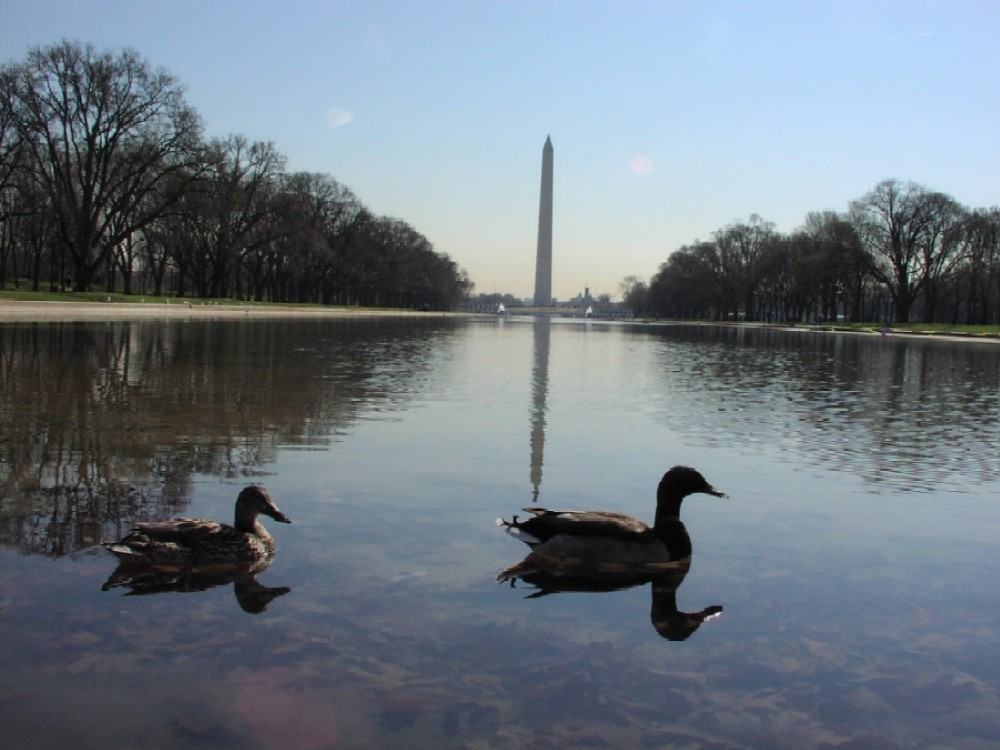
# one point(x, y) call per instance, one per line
point(106, 424)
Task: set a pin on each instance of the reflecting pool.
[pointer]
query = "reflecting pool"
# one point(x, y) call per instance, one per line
point(843, 596)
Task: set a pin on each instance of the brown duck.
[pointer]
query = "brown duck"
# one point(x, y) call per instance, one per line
point(196, 541)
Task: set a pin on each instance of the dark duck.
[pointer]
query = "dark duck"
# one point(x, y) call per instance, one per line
point(606, 542)
point(196, 541)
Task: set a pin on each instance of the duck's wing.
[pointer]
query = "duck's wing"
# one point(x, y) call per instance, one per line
point(186, 541)
point(188, 532)
point(583, 523)
point(169, 541)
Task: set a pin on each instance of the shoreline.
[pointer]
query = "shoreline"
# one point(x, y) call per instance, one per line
point(21, 311)
point(69, 312)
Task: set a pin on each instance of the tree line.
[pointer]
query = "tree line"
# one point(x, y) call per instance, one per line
point(900, 253)
point(107, 181)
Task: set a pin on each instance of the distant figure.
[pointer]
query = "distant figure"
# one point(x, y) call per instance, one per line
point(590, 312)
point(501, 309)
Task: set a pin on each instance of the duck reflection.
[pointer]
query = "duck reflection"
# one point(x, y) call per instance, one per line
point(252, 596)
point(667, 620)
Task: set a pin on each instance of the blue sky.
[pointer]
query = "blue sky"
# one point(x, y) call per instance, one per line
point(669, 120)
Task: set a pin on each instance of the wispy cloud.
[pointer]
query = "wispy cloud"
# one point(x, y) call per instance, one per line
point(338, 116)
point(642, 165)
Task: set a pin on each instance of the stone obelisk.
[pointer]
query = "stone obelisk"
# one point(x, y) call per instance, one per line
point(543, 262)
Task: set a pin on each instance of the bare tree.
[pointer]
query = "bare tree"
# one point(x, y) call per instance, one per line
point(11, 142)
point(634, 293)
point(239, 211)
point(691, 284)
point(979, 275)
point(834, 263)
point(741, 250)
point(942, 249)
point(901, 227)
point(104, 134)
point(319, 212)
point(12, 198)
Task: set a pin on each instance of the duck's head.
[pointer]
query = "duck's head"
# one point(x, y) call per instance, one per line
point(254, 500)
point(677, 484)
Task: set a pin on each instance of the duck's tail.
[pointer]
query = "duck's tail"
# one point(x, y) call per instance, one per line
point(513, 527)
point(123, 552)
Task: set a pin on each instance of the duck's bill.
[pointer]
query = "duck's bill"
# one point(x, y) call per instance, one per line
point(717, 493)
point(281, 517)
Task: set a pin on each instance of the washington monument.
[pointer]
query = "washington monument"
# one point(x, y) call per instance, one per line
point(543, 263)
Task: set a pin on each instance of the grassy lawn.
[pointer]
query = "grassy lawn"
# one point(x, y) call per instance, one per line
point(20, 295)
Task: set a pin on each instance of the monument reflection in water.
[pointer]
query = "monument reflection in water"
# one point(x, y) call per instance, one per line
point(541, 336)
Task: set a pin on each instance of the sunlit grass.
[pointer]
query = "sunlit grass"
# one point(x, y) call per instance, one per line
point(21, 295)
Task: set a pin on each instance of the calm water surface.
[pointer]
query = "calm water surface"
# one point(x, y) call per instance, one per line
point(856, 559)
